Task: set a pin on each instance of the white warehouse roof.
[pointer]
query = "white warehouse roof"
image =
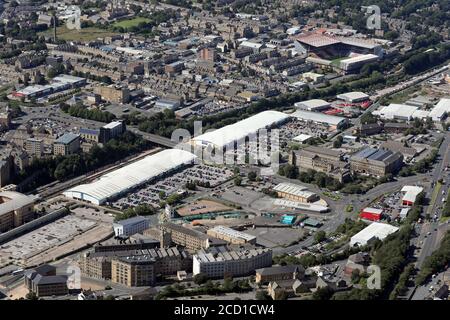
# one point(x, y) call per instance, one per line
point(396, 111)
point(229, 134)
point(313, 104)
point(130, 176)
point(253, 45)
point(300, 205)
point(407, 112)
point(442, 107)
point(411, 193)
point(226, 231)
point(318, 117)
point(353, 96)
point(302, 137)
point(294, 189)
point(374, 230)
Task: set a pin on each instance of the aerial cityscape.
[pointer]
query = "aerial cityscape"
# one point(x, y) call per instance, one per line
point(197, 150)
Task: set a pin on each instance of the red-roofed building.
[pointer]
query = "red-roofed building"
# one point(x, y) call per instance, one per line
point(371, 214)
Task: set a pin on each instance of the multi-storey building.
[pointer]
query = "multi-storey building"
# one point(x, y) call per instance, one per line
point(207, 54)
point(111, 131)
point(15, 209)
point(95, 266)
point(217, 262)
point(113, 93)
point(104, 134)
point(44, 282)
point(66, 144)
point(133, 271)
point(130, 226)
point(98, 264)
point(186, 237)
point(34, 147)
point(320, 159)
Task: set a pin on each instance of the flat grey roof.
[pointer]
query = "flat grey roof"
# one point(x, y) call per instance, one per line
point(67, 138)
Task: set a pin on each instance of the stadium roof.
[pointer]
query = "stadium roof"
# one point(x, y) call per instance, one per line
point(130, 176)
point(227, 135)
point(359, 58)
point(318, 117)
point(317, 40)
point(358, 42)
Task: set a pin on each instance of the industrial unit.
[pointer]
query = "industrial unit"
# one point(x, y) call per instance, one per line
point(295, 192)
point(375, 230)
point(230, 235)
point(228, 135)
point(131, 176)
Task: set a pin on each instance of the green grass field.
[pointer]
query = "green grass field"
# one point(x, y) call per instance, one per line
point(130, 22)
point(85, 34)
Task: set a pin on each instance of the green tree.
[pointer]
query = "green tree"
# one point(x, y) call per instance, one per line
point(200, 278)
point(320, 236)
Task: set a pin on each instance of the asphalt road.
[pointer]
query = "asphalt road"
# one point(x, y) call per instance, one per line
point(430, 242)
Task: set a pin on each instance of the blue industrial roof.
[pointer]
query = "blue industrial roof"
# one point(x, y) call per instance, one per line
point(286, 219)
point(89, 131)
point(365, 153)
point(373, 154)
point(380, 155)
